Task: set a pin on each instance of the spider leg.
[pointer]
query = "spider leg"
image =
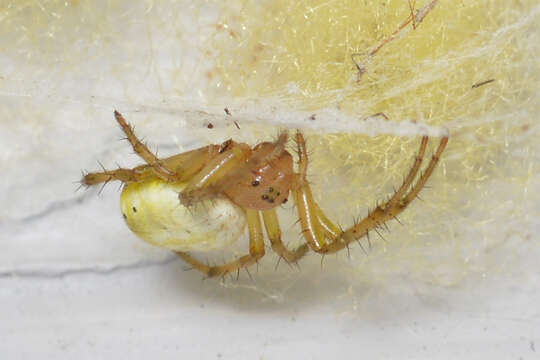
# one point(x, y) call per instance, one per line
point(208, 181)
point(312, 229)
point(186, 165)
point(398, 194)
point(124, 175)
point(273, 231)
point(256, 251)
point(142, 150)
point(393, 207)
point(317, 227)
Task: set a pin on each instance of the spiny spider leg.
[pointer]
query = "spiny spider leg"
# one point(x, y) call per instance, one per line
point(123, 175)
point(384, 212)
point(273, 231)
point(256, 251)
point(316, 227)
point(312, 218)
point(142, 150)
point(186, 165)
point(398, 194)
point(180, 167)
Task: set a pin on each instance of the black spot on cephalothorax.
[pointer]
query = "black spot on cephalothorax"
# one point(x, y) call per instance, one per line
point(124, 216)
point(255, 183)
point(134, 209)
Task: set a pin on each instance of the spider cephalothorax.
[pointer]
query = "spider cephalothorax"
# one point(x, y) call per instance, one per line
point(244, 183)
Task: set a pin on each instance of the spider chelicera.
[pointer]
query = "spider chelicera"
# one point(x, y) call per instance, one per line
point(159, 199)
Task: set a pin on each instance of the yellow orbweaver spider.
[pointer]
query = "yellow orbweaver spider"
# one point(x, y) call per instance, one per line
point(244, 183)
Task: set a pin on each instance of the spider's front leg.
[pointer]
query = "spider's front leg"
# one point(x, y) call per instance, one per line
point(256, 251)
point(159, 168)
point(317, 228)
point(177, 168)
point(123, 175)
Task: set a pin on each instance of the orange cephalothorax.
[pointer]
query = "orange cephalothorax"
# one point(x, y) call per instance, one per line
point(268, 181)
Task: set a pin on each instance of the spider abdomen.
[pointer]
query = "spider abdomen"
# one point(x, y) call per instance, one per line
point(152, 211)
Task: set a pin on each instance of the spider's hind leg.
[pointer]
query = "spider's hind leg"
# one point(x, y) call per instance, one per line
point(256, 251)
point(317, 228)
point(407, 192)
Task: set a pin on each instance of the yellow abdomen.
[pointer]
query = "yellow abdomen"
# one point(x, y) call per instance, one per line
point(153, 211)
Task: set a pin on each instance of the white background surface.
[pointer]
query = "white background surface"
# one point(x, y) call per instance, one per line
point(74, 283)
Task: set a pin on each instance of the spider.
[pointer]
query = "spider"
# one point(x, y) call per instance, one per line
point(245, 183)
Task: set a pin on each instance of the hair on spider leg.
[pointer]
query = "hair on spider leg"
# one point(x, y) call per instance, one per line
point(249, 274)
point(101, 165)
point(384, 226)
point(361, 246)
point(121, 186)
point(81, 185)
point(287, 262)
point(277, 263)
point(348, 252)
point(378, 233)
point(368, 239)
point(103, 186)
